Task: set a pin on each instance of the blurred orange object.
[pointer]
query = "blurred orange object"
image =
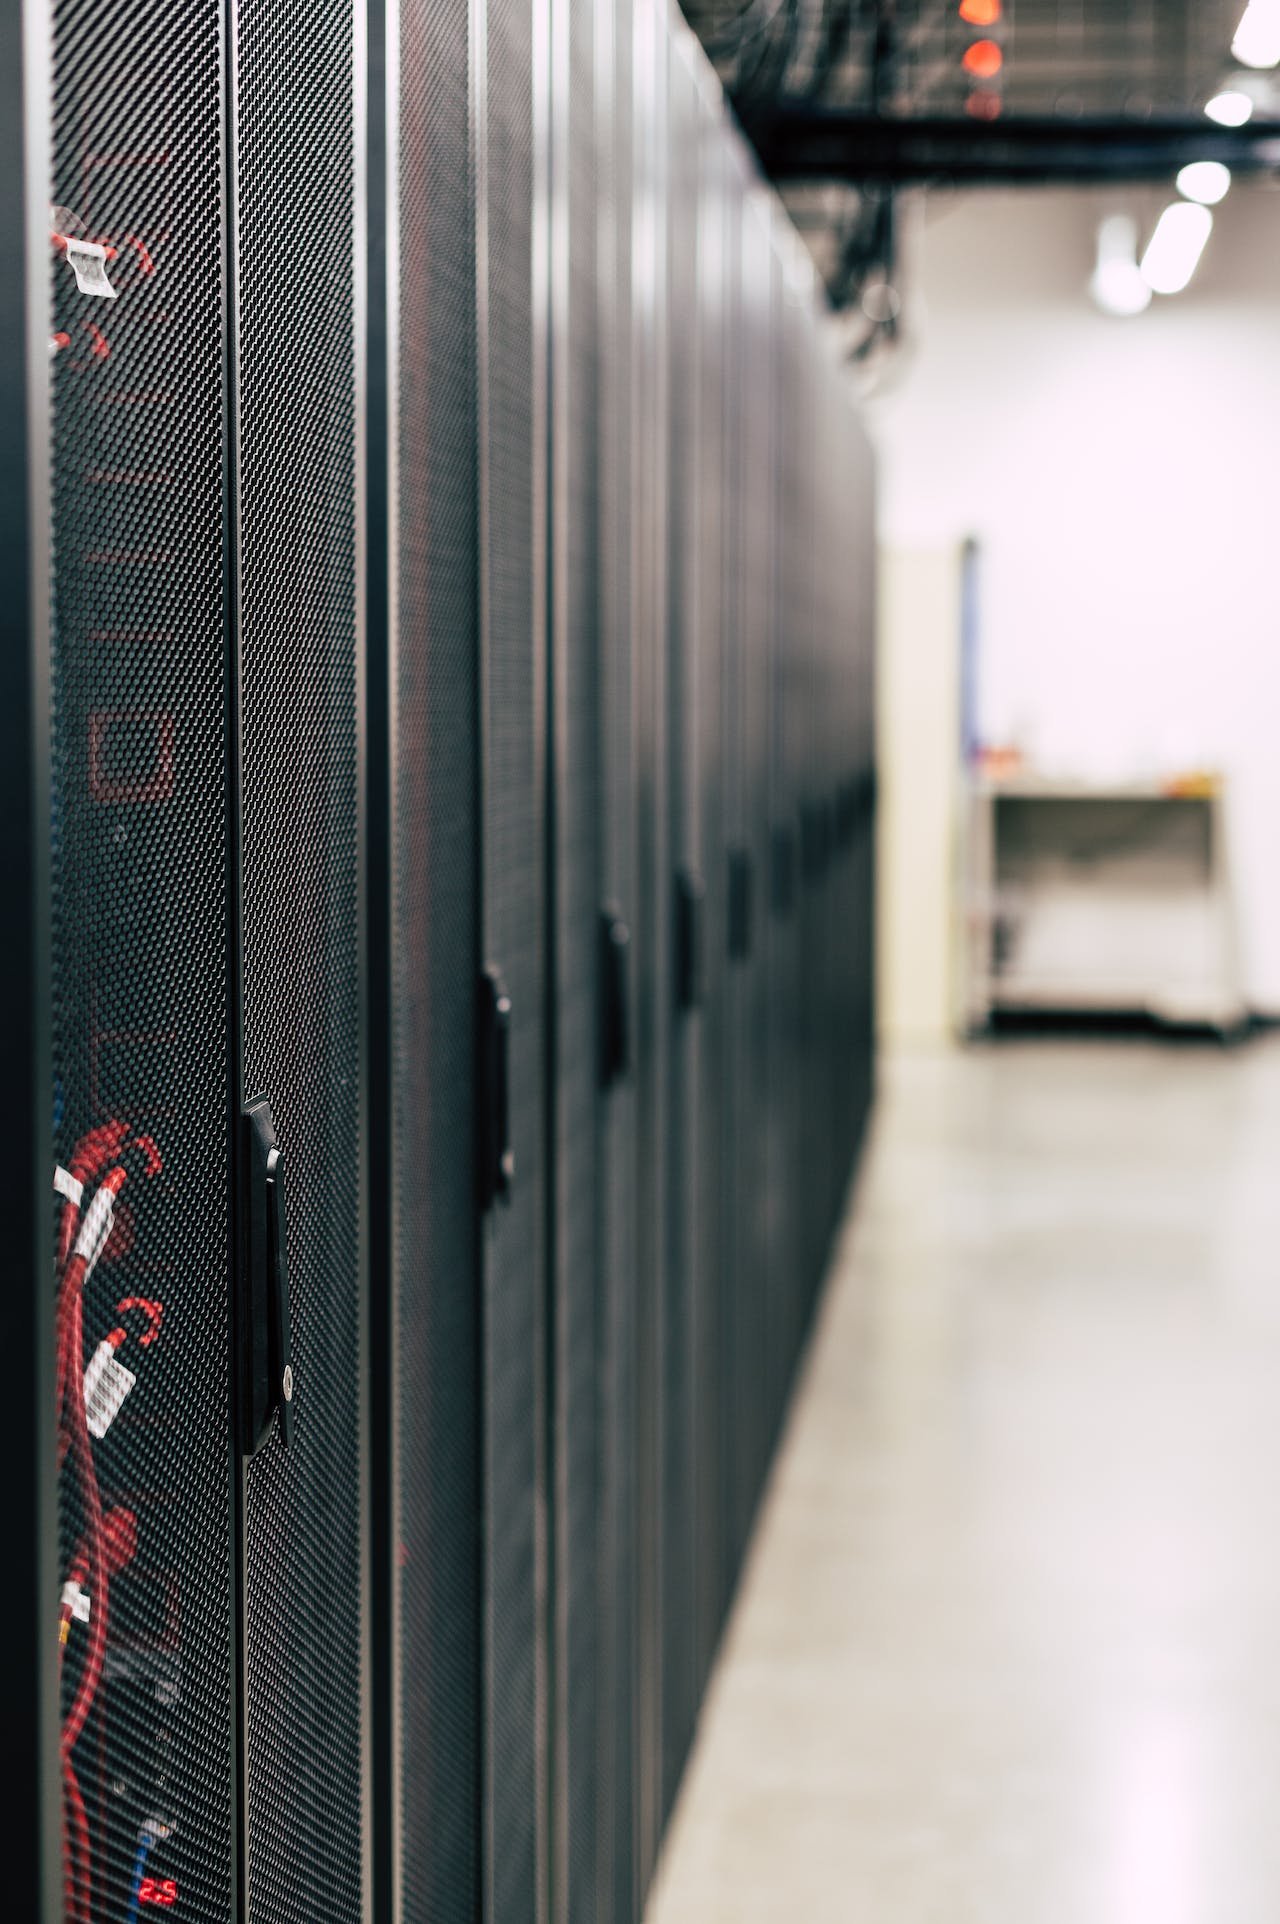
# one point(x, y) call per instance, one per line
point(983, 58)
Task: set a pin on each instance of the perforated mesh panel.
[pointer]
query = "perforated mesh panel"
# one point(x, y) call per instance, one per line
point(733, 1120)
point(301, 987)
point(680, 1140)
point(617, 1809)
point(140, 958)
point(513, 931)
point(435, 964)
point(711, 534)
point(757, 459)
point(575, 592)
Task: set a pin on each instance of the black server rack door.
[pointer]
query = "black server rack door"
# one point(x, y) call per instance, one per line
point(27, 1417)
point(652, 919)
point(779, 924)
point(795, 591)
point(574, 999)
point(863, 624)
point(618, 1327)
point(139, 1103)
point(431, 1551)
point(507, 47)
point(684, 885)
point(756, 479)
point(735, 861)
point(298, 271)
point(709, 534)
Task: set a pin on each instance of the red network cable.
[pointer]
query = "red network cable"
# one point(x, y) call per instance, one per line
point(109, 1543)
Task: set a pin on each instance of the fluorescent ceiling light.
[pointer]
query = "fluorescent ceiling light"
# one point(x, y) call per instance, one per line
point(1257, 41)
point(1117, 285)
point(1230, 108)
point(1174, 250)
point(1204, 180)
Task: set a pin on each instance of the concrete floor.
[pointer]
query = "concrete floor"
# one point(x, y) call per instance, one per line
point(1008, 1651)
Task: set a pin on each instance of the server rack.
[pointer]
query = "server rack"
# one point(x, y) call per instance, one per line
point(576, 990)
point(712, 534)
point(459, 789)
point(509, 92)
point(615, 116)
point(426, 959)
point(652, 971)
point(680, 1142)
point(28, 1417)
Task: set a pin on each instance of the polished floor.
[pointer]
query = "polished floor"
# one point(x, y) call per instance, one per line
point(1008, 1649)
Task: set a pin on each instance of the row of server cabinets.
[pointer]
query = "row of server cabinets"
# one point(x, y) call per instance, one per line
point(437, 748)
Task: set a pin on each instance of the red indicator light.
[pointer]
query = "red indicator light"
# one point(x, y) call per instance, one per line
point(984, 58)
point(157, 1890)
point(980, 13)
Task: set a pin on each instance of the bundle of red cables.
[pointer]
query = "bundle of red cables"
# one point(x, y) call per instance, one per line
point(109, 1542)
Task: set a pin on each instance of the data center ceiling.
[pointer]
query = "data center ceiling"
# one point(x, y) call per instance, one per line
point(849, 101)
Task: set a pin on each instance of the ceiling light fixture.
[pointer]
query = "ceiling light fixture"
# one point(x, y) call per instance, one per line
point(1257, 41)
point(1118, 286)
point(1174, 250)
point(1230, 108)
point(1205, 181)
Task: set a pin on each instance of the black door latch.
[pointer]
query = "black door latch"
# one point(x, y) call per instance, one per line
point(690, 894)
point(268, 1352)
point(615, 999)
point(495, 1158)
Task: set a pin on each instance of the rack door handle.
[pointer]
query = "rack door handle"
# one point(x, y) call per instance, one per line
point(615, 999)
point(496, 1170)
point(690, 894)
point(269, 1384)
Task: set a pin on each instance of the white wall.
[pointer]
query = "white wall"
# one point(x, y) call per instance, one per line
point(1123, 478)
point(917, 732)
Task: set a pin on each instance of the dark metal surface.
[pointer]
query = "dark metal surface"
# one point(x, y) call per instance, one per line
point(140, 945)
point(26, 1421)
point(396, 650)
point(652, 948)
point(832, 143)
point(587, 1038)
point(298, 289)
point(614, 108)
point(512, 429)
point(680, 983)
point(710, 534)
point(434, 966)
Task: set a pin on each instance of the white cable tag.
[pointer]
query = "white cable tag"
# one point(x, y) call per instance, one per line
point(66, 1185)
point(76, 1601)
point(106, 1384)
point(95, 1229)
point(89, 265)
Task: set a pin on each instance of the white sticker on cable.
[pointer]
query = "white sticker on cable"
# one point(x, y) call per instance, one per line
point(89, 264)
point(66, 1185)
point(76, 1601)
point(106, 1384)
point(95, 1229)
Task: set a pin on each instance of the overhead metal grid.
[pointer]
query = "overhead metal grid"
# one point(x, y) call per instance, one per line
point(847, 100)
